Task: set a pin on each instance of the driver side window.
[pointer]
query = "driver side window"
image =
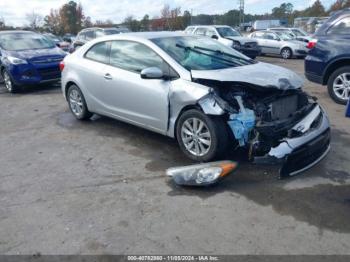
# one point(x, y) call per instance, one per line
point(133, 56)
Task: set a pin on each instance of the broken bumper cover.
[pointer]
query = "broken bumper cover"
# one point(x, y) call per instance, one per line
point(300, 153)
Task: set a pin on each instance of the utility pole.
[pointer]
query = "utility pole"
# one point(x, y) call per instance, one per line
point(241, 11)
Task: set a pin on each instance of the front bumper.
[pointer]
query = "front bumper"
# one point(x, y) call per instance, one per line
point(300, 153)
point(250, 52)
point(30, 75)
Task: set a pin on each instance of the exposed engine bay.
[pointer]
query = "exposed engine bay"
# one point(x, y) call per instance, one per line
point(259, 118)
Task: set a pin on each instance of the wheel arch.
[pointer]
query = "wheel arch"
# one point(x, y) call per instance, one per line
point(184, 109)
point(338, 63)
point(67, 86)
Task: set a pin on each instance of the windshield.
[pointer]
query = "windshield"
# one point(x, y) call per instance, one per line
point(24, 41)
point(197, 53)
point(227, 31)
point(284, 36)
point(299, 32)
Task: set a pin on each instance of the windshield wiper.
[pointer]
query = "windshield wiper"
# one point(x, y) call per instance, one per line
point(224, 53)
point(229, 62)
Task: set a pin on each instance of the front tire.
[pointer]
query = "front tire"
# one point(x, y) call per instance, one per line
point(200, 137)
point(77, 103)
point(11, 87)
point(286, 53)
point(339, 85)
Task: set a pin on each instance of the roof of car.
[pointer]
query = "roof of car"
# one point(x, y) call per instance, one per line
point(147, 35)
point(17, 31)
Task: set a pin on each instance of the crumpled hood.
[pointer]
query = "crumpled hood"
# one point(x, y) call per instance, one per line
point(259, 74)
point(37, 53)
point(241, 39)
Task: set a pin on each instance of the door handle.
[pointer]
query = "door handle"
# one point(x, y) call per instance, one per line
point(108, 76)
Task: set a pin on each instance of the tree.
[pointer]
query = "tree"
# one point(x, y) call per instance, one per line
point(339, 4)
point(87, 22)
point(165, 15)
point(145, 23)
point(34, 20)
point(283, 11)
point(186, 18)
point(132, 23)
point(2, 23)
point(72, 17)
point(317, 9)
point(53, 23)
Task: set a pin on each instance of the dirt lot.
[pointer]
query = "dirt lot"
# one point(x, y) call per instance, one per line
point(96, 187)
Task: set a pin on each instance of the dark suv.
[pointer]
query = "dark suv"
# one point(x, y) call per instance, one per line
point(328, 61)
point(88, 34)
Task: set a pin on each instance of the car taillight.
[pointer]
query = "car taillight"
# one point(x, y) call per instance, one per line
point(61, 66)
point(312, 43)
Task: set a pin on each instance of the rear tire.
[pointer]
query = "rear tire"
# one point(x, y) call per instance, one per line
point(286, 53)
point(209, 140)
point(77, 103)
point(339, 85)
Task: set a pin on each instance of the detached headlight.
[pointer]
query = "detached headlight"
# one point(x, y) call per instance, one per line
point(16, 61)
point(201, 174)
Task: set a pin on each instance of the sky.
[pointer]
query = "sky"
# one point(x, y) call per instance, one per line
point(14, 11)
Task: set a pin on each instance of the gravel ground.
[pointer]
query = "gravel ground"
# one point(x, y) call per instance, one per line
point(99, 187)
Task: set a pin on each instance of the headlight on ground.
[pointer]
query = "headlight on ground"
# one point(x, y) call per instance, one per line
point(15, 60)
point(201, 174)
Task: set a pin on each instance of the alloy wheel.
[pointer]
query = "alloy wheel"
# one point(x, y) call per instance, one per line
point(286, 53)
point(196, 136)
point(76, 102)
point(7, 81)
point(341, 86)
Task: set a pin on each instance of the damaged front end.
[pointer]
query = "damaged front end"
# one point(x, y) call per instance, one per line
point(277, 125)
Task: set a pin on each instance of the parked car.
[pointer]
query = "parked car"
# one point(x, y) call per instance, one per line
point(89, 34)
point(58, 41)
point(28, 58)
point(296, 33)
point(328, 61)
point(69, 38)
point(279, 43)
point(229, 37)
point(208, 96)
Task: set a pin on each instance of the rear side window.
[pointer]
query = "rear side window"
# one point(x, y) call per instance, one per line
point(200, 31)
point(81, 36)
point(99, 53)
point(189, 30)
point(210, 32)
point(342, 27)
point(134, 56)
point(90, 35)
point(258, 35)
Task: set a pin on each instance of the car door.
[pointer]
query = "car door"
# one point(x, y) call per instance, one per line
point(92, 75)
point(126, 95)
point(259, 37)
point(272, 43)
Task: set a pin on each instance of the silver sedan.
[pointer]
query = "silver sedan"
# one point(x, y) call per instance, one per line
point(208, 96)
point(279, 43)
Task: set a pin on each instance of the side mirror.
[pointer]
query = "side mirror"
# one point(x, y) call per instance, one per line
point(215, 37)
point(152, 73)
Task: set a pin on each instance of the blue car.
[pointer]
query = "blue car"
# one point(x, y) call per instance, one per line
point(28, 58)
point(328, 61)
